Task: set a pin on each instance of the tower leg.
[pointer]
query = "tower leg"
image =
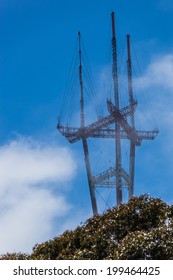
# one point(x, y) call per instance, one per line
point(132, 169)
point(89, 176)
point(118, 166)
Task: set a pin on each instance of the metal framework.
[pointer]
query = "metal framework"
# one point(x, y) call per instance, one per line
point(117, 125)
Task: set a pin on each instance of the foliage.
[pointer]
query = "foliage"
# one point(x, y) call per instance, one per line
point(154, 245)
point(140, 229)
point(15, 256)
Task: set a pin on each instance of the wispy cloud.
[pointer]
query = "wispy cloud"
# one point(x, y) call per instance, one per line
point(166, 5)
point(28, 204)
point(158, 73)
point(157, 81)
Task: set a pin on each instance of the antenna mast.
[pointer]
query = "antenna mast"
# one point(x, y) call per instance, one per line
point(117, 124)
point(132, 118)
point(84, 140)
point(81, 84)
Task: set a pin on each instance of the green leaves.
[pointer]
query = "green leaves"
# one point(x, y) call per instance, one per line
point(15, 256)
point(154, 245)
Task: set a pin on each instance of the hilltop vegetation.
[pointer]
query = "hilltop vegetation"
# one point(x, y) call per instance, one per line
point(139, 229)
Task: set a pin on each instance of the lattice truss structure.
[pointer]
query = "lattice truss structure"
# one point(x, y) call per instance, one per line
point(117, 125)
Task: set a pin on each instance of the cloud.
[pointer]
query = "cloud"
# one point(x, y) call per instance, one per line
point(165, 5)
point(28, 203)
point(158, 73)
point(157, 82)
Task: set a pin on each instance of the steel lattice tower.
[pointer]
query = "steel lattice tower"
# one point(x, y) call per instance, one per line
point(118, 124)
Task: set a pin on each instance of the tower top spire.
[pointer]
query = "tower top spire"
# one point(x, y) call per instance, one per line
point(113, 25)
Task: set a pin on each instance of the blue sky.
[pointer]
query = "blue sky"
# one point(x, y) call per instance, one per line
point(43, 188)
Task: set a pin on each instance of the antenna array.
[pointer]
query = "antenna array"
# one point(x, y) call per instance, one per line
point(117, 125)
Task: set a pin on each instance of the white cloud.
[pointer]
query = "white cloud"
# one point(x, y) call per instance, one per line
point(158, 73)
point(157, 82)
point(34, 163)
point(28, 204)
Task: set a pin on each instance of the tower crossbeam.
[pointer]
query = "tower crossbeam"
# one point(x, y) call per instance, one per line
point(131, 133)
point(73, 135)
point(105, 176)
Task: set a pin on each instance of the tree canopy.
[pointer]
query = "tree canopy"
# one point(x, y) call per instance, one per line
point(139, 229)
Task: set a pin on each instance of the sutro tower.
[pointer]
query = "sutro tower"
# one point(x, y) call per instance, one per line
point(117, 125)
